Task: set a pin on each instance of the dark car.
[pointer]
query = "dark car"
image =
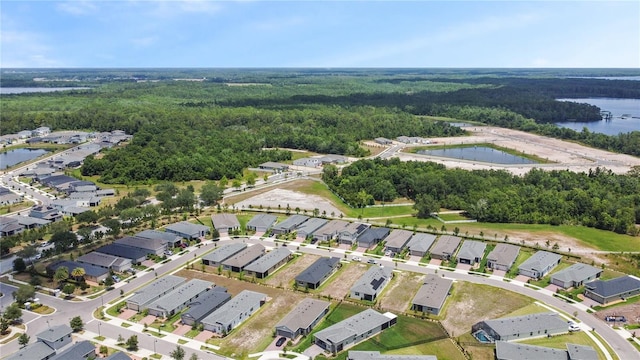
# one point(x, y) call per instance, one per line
point(281, 341)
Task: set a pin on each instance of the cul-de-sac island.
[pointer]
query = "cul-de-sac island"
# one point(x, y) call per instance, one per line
point(363, 214)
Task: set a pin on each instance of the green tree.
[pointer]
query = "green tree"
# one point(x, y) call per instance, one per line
point(425, 205)
point(24, 293)
point(68, 289)
point(87, 217)
point(23, 339)
point(178, 353)
point(35, 280)
point(64, 240)
point(132, 343)
point(193, 356)
point(19, 265)
point(236, 184)
point(76, 323)
point(61, 274)
point(224, 182)
point(4, 325)
point(13, 312)
point(210, 194)
point(77, 273)
point(251, 179)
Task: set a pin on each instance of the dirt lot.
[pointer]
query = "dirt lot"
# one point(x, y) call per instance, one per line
point(294, 199)
point(630, 311)
point(340, 284)
point(287, 274)
point(404, 286)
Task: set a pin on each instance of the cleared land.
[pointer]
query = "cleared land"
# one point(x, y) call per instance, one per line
point(293, 199)
point(404, 286)
point(284, 276)
point(339, 285)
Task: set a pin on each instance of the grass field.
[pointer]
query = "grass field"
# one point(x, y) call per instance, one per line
point(452, 217)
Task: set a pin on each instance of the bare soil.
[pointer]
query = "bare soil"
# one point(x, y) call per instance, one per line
point(631, 312)
point(404, 286)
point(340, 284)
point(284, 198)
point(285, 275)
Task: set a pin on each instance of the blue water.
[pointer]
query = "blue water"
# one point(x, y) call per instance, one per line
point(479, 153)
point(625, 116)
point(482, 337)
point(12, 157)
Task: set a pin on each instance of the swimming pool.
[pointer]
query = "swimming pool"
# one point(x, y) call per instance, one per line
point(482, 337)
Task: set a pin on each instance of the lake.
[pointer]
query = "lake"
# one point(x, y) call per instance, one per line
point(625, 116)
point(16, 156)
point(478, 153)
point(24, 90)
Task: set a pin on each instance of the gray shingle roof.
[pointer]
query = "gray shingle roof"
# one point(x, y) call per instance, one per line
point(237, 305)
point(581, 352)
point(181, 294)
point(540, 261)
point(576, 273)
point(207, 303)
point(331, 228)
point(141, 243)
point(118, 356)
point(614, 286)
point(123, 251)
point(154, 289)
point(421, 242)
point(224, 252)
point(185, 227)
point(311, 225)
point(262, 220)
point(447, 244)
point(526, 324)
point(225, 221)
point(471, 249)
point(433, 292)
point(245, 257)
point(504, 254)
point(98, 259)
point(370, 281)
point(269, 260)
point(90, 270)
point(354, 228)
point(318, 270)
point(398, 238)
point(290, 223)
point(303, 315)
point(34, 351)
point(375, 355)
point(77, 351)
point(373, 234)
point(358, 324)
point(515, 351)
point(164, 236)
point(55, 333)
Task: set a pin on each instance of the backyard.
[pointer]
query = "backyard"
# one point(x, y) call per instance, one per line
point(399, 293)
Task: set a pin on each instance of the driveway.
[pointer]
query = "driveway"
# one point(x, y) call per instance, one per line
point(553, 288)
point(273, 347)
point(181, 329)
point(435, 262)
point(522, 278)
point(204, 336)
point(465, 267)
point(127, 314)
point(149, 319)
point(313, 351)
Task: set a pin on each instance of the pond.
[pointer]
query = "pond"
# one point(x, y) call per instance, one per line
point(625, 116)
point(479, 153)
point(24, 90)
point(16, 156)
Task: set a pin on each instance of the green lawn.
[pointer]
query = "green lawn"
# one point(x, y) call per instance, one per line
point(452, 217)
point(383, 211)
point(523, 255)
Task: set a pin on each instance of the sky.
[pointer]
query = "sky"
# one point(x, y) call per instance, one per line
point(245, 33)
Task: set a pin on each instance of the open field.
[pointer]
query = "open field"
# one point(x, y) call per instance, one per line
point(283, 198)
point(339, 285)
point(399, 293)
point(285, 275)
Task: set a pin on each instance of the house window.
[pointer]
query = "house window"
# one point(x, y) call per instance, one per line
point(357, 293)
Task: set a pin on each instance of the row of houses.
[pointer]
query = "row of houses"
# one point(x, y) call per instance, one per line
point(252, 259)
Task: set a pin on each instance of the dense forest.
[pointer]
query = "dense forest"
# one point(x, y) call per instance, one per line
point(597, 199)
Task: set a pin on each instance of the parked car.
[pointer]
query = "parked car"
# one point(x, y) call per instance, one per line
point(183, 245)
point(371, 261)
point(281, 341)
point(356, 258)
point(115, 278)
point(574, 327)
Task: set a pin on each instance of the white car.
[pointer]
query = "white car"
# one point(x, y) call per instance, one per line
point(356, 258)
point(574, 327)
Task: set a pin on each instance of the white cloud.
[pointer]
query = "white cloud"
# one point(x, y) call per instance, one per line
point(78, 7)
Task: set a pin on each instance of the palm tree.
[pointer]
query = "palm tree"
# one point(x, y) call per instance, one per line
point(61, 274)
point(77, 273)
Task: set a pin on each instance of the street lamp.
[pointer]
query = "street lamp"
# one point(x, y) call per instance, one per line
point(99, 334)
point(154, 345)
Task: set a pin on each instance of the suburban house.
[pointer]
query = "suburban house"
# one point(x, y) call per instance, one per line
point(188, 230)
point(309, 227)
point(445, 247)
point(314, 275)
point(234, 312)
point(29, 222)
point(330, 230)
point(56, 337)
point(45, 212)
point(471, 252)
point(106, 261)
point(41, 131)
point(575, 275)
point(432, 294)
point(302, 319)
point(34, 351)
point(205, 305)
point(261, 222)
point(515, 351)
point(178, 298)
point(225, 223)
point(397, 240)
point(420, 244)
point(502, 257)
point(273, 166)
point(522, 327)
point(350, 233)
point(308, 162)
point(9, 226)
point(372, 236)
point(289, 225)
point(383, 141)
point(539, 264)
point(152, 246)
point(91, 272)
point(608, 291)
point(268, 263)
point(136, 255)
point(153, 292)
point(351, 331)
point(118, 356)
point(375, 355)
point(333, 159)
point(79, 351)
point(371, 283)
point(217, 256)
point(171, 240)
point(243, 258)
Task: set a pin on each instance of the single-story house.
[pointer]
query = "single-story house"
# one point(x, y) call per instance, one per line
point(152, 246)
point(397, 240)
point(375, 355)
point(10, 198)
point(522, 327)
point(371, 283)
point(29, 222)
point(289, 225)
point(308, 162)
point(268, 263)
point(171, 240)
point(34, 351)
point(45, 212)
point(205, 305)
point(79, 351)
point(261, 222)
point(188, 230)
point(217, 256)
point(314, 275)
point(106, 261)
point(273, 166)
point(178, 298)
point(351, 232)
point(432, 294)
point(383, 141)
point(575, 275)
point(445, 247)
point(539, 265)
point(91, 272)
point(118, 356)
point(309, 227)
point(330, 230)
point(41, 131)
point(234, 312)
point(502, 257)
point(607, 291)
point(352, 330)
point(136, 255)
point(515, 351)
point(9, 226)
point(471, 252)
point(58, 182)
point(154, 291)
point(333, 159)
point(302, 319)
point(225, 223)
point(56, 337)
point(372, 236)
point(243, 258)
point(420, 244)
